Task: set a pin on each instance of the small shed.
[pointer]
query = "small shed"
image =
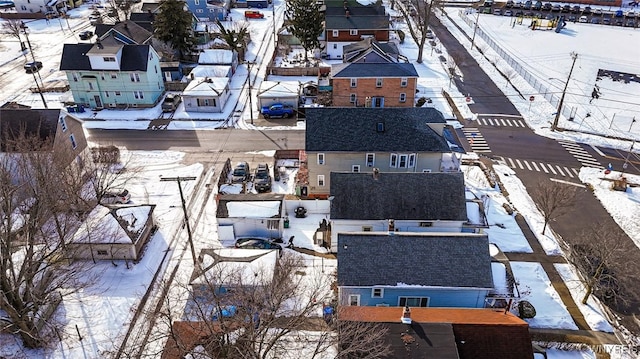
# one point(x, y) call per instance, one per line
point(117, 232)
point(209, 94)
point(284, 92)
point(250, 215)
point(171, 71)
point(219, 57)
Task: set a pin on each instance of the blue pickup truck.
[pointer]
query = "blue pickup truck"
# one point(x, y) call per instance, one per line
point(277, 110)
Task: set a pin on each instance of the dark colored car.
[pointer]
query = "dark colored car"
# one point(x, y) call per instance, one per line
point(619, 22)
point(116, 197)
point(566, 8)
point(256, 243)
point(527, 5)
point(595, 20)
point(31, 67)
point(86, 35)
point(556, 8)
point(630, 23)
point(572, 18)
point(587, 10)
point(241, 173)
point(547, 6)
point(509, 4)
point(262, 178)
point(537, 5)
point(575, 9)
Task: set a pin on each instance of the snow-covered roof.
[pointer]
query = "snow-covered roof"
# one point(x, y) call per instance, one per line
point(279, 88)
point(206, 86)
point(211, 71)
point(102, 224)
point(234, 266)
point(216, 57)
point(258, 209)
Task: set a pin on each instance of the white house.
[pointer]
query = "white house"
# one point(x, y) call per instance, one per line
point(284, 92)
point(219, 57)
point(208, 94)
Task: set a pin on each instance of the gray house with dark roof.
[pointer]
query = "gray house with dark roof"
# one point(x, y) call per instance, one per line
point(414, 269)
point(397, 202)
point(348, 139)
point(113, 73)
point(346, 24)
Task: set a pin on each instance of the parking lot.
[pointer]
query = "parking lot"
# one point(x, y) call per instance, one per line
point(552, 11)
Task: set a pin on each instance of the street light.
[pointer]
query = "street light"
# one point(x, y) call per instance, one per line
point(35, 68)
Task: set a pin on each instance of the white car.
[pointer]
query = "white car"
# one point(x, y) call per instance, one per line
point(583, 19)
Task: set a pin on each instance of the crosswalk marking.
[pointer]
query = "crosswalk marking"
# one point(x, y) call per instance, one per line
point(476, 140)
point(501, 122)
point(580, 154)
point(539, 167)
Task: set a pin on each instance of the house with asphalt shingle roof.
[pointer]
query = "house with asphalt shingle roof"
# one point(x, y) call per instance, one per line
point(112, 73)
point(402, 202)
point(374, 84)
point(350, 139)
point(346, 24)
point(127, 32)
point(369, 50)
point(413, 269)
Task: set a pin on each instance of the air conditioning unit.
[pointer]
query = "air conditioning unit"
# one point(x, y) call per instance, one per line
point(134, 105)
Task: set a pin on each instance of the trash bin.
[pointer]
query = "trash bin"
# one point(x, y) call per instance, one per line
point(286, 222)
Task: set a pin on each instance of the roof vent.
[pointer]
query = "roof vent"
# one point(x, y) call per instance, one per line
point(376, 174)
point(380, 127)
point(406, 315)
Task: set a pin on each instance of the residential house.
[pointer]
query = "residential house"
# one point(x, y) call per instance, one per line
point(349, 139)
point(209, 10)
point(126, 32)
point(250, 215)
point(282, 92)
point(111, 73)
point(350, 23)
point(448, 333)
point(113, 233)
point(143, 19)
point(397, 202)
point(413, 269)
point(172, 71)
point(370, 50)
point(219, 57)
point(42, 6)
point(206, 94)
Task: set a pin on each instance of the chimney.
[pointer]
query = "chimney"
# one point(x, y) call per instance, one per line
point(406, 315)
point(376, 173)
point(346, 13)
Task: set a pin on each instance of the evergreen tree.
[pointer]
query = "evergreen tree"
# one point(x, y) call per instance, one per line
point(305, 23)
point(173, 24)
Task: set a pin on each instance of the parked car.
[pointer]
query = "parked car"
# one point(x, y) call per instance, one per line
point(508, 13)
point(280, 110)
point(537, 5)
point(486, 10)
point(595, 20)
point(597, 12)
point(518, 5)
point(527, 5)
point(488, 3)
point(575, 9)
point(572, 18)
point(619, 13)
point(606, 21)
point(583, 19)
point(86, 35)
point(251, 14)
point(587, 10)
point(509, 4)
point(497, 12)
point(116, 196)
point(550, 17)
point(241, 173)
point(547, 6)
point(556, 8)
point(262, 178)
point(619, 22)
point(171, 102)
point(630, 23)
point(630, 14)
point(566, 8)
point(31, 67)
point(257, 243)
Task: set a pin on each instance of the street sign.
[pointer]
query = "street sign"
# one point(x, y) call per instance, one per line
point(531, 98)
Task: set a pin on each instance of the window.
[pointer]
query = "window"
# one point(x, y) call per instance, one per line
point(393, 161)
point(90, 86)
point(413, 301)
point(109, 59)
point(155, 68)
point(354, 82)
point(117, 93)
point(320, 158)
point(370, 159)
point(353, 32)
point(380, 127)
point(76, 76)
point(320, 180)
point(402, 163)
point(403, 97)
point(134, 77)
point(412, 160)
point(197, 2)
point(404, 82)
point(206, 102)
point(354, 300)
point(335, 46)
point(106, 93)
point(355, 168)
point(425, 224)
point(102, 75)
point(138, 95)
point(335, 33)
point(199, 11)
point(367, 228)
point(378, 82)
point(102, 252)
point(114, 75)
point(353, 98)
point(63, 124)
point(212, 10)
point(426, 171)
point(377, 292)
point(74, 144)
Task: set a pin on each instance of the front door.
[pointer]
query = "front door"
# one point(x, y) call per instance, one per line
point(377, 102)
point(98, 101)
point(167, 76)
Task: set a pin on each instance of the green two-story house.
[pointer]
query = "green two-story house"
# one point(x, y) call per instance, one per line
point(112, 74)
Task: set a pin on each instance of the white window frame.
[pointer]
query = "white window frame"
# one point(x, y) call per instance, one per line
point(403, 161)
point(404, 82)
point(403, 97)
point(393, 160)
point(76, 76)
point(353, 32)
point(373, 159)
point(74, 144)
point(380, 292)
point(354, 82)
point(196, 2)
point(114, 75)
point(134, 77)
point(106, 93)
point(420, 298)
point(357, 300)
point(379, 82)
point(118, 93)
point(355, 168)
point(320, 158)
point(321, 182)
point(353, 98)
point(63, 124)
point(335, 33)
point(412, 160)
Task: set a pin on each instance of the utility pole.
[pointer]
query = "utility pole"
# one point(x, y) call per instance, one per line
point(554, 126)
point(184, 210)
point(34, 69)
point(250, 90)
point(475, 28)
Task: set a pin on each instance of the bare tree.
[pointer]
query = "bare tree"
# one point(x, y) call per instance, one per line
point(13, 28)
point(231, 315)
point(553, 199)
point(35, 274)
point(606, 258)
point(509, 74)
point(417, 20)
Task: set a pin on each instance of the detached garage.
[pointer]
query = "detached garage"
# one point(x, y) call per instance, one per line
point(284, 92)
